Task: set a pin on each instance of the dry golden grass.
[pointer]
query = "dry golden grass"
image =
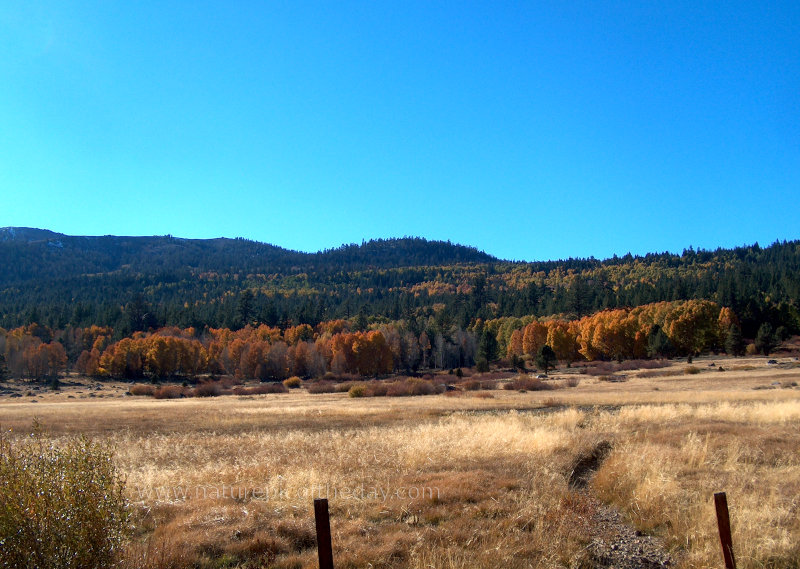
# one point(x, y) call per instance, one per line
point(671, 459)
point(450, 481)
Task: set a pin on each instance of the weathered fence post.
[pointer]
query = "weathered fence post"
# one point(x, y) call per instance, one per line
point(724, 523)
point(324, 547)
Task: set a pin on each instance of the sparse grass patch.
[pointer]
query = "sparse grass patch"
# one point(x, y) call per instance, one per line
point(610, 368)
point(650, 373)
point(612, 378)
point(261, 389)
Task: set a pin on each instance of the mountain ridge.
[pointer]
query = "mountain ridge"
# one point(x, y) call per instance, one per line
point(443, 250)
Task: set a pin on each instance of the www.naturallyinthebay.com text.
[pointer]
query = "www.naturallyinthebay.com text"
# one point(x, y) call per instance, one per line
point(278, 492)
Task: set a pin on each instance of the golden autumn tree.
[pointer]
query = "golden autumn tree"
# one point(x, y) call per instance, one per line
point(372, 354)
point(534, 337)
point(562, 338)
point(299, 333)
point(693, 326)
point(515, 344)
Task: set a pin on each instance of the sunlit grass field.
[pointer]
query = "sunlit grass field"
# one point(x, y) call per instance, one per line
point(461, 479)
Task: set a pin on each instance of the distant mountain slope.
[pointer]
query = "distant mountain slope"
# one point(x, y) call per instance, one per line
point(27, 254)
point(27, 234)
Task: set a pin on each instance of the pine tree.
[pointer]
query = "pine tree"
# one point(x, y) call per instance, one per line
point(487, 348)
point(658, 343)
point(546, 358)
point(734, 343)
point(765, 339)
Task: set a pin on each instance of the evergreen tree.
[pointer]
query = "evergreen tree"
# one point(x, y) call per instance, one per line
point(487, 347)
point(546, 358)
point(765, 339)
point(245, 308)
point(734, 343)
point(658, 343)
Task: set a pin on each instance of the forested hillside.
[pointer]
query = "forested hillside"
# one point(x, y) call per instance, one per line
point(137, 283)
point(157, 307)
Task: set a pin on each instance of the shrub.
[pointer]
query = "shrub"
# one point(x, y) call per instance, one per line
point(420, 387)
point(357, 391)
point(525, 383)
point(412, 386)
point(62, 506)
point(142, 389)
point(322, 386)
point(207, 389)
point(691, 370)
point(398, 389)
point(471, 385)
point(293, 382)
point(573, 381)
point(169, 392)
point(377, 388)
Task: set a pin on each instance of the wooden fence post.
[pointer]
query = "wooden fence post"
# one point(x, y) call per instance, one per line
point(324, 547)
point(724, 523)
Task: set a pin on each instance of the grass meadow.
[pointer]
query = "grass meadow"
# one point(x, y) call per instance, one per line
point(475, 479)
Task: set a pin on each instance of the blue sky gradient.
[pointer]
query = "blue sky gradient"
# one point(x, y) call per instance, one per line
point(531, 130)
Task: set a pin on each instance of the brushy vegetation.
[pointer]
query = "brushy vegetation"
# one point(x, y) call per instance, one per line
point(62, 505)
point(204, 389)
point(609, 368)
point(527, 383)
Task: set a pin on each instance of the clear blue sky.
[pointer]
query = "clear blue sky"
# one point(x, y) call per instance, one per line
point(531, 130)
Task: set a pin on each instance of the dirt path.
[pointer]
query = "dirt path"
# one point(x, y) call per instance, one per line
point(615, 544)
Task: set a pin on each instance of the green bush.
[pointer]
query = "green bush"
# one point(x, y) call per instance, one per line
point(293, 382)
point(61, 506)
point(358, 391)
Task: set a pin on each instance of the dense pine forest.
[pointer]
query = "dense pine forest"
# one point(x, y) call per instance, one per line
point(464, 303)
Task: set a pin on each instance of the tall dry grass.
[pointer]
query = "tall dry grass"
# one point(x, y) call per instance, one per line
point(448, 482)
point(461, 487)
point(670, 460)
